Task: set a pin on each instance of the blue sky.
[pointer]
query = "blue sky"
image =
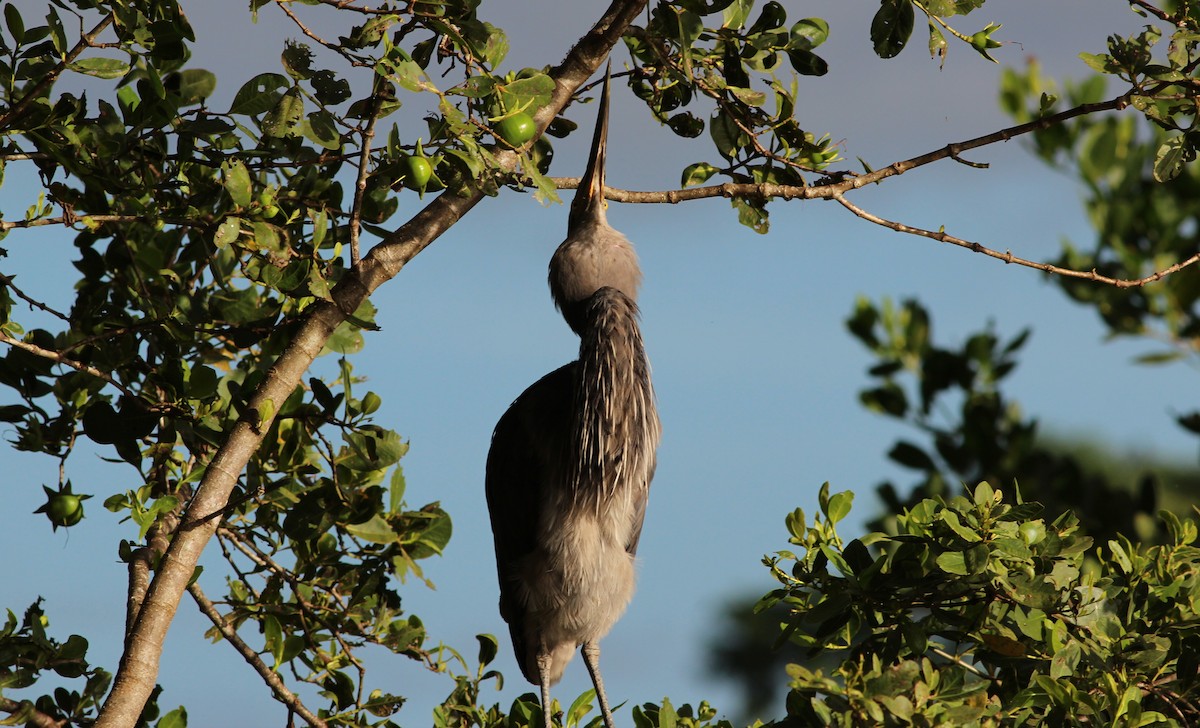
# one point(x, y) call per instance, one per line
point(757, 379)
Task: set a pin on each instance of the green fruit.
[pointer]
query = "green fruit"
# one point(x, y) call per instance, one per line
point(64, 509)
point(327, 545)
point(980, 40)
point(415, 172)
point(516, 130)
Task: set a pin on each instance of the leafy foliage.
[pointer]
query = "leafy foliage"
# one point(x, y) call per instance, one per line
point(980, 611)
point(206, 237)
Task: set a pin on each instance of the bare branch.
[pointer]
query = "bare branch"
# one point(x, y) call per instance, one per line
point(1157, 12)
point(35, 717)
point(7, 282)
point(269, 676)
point(364, 162)
point(347, 5)
point(57, 357)
point(1007, 255)
point(93, 220)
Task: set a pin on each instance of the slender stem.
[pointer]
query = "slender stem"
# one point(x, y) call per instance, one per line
point(7, 282)
point(57, 357)
point(364, 164)
point(269, 676)
point(1007, 255)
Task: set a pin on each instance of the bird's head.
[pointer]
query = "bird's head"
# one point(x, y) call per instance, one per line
point(594, 255)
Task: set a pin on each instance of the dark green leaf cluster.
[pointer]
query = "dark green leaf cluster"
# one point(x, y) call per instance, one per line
point(26, 651)
point(732, 55)
point(980, 612)
point(970, 431)
point(1141, 195)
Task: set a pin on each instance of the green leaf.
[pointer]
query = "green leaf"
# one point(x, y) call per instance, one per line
point(107, 68)
point(259, 94)
point(237, 182)
point(286, 117)
point(195, 85)
point(734, 16)
point(14, 23)
point(229, 229)
point(396, 491)
point(580, 707)
point(375, 530)
point(725, 135)
point(434, 538)
point(808, 63)
point(1099, 62)
point(911, 456)
point(953, 562)
point(697, 174)
point(175, 719)
point(891, 27)
point(489, 647)
point(808, 34)
point(839, 505)
point(1170, 158)
point(950, 518)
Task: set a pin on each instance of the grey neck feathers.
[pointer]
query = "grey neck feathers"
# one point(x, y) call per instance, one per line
point(616, 426)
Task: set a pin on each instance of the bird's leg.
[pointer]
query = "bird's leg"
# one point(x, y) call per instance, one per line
point(543, 668)
point(591, 658)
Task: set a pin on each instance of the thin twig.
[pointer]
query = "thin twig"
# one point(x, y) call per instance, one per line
point(957, 659)
point(1156, 12)
point(94, 220)
point(7, 282)
point(269, 676)
point(364, 163)
point(57, 357)
point(347, 5)
point(336, 48)
point(1007, 255)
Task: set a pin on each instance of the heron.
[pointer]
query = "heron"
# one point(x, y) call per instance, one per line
point(570, 464)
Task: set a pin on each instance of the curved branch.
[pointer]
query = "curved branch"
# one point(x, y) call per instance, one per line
point(269, 676)
point(35, 717)
point(59, 358)
point(138, 669)
point(1007, 255)
point(845, 183)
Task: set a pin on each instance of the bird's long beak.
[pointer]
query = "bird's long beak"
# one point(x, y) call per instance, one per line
point(589, 198)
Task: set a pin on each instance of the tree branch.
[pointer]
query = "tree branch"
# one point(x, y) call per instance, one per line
point(59, 358)
point(1007, 255)
point(7, 282)
point(35, 717)
point(364, 164)
point(138, 669)
point(269, 676)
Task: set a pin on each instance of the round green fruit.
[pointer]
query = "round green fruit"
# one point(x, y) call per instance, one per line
point(64, 509)
point(516, 130)
point(980, 40)
point(415, 172)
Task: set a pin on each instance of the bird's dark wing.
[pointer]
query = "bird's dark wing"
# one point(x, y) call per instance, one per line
point(641, 498)
point(524, 463)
